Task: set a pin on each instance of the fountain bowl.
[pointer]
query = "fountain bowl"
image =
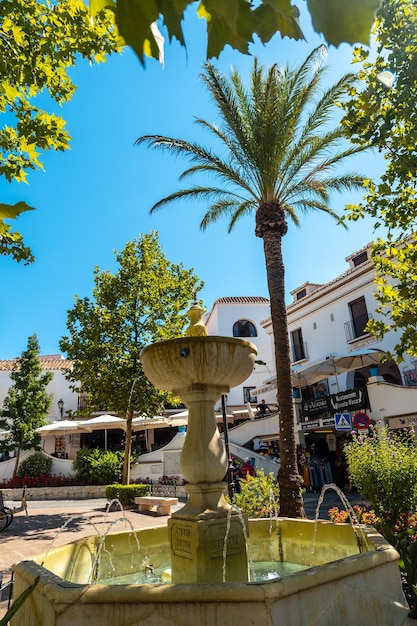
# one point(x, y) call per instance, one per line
point(179, 363)
point(339, 585)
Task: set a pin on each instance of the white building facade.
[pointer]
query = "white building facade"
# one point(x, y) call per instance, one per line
point(243, 317)
point(58, 387)
point(331, 318)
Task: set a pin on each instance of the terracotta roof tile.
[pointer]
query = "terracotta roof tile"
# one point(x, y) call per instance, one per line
point(8, 365)
point(242, 300)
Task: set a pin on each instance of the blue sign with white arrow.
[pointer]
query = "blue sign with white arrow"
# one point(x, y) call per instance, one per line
point(343, 421)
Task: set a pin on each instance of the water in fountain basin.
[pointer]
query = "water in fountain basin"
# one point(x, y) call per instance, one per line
point(360, 535)
point(101, 549)
point(102, 537)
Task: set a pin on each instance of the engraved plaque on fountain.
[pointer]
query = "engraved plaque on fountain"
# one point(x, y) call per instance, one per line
point(183, 539)
point(216, 533)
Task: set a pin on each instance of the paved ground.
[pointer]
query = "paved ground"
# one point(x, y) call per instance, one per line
point(53, 523)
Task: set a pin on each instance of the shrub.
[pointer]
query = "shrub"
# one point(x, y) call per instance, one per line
point(259, 495)
point(98, 467)
point(383, 467)
point(402, 535)
point(35, 465)
point(126, 494)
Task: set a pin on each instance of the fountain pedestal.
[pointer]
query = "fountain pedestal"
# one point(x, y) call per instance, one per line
point(199, 369)
point(197, 547)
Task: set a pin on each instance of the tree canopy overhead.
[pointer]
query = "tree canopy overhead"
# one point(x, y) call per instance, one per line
point(39, 42)
point(382, 113)
point(235, 22)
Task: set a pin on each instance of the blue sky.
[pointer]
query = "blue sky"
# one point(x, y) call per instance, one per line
point(96, 197)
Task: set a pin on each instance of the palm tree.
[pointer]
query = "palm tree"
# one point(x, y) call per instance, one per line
point(278, 150)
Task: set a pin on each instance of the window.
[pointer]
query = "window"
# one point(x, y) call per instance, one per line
point(301, 294)
point(359, 318)
point(298, 348)
point(247, 397)
point(361, 258)
point(244, 328)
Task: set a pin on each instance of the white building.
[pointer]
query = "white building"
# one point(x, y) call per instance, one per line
point(242, 317)
point(58, 387)
point(331, 318)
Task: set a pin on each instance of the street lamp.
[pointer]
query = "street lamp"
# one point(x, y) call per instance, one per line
point(60, 404)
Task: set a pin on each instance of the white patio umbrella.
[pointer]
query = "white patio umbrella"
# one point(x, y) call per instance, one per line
point(178, 419)
point(62, 427)
point(336, 363)
point(105, 422)
point(148, 423)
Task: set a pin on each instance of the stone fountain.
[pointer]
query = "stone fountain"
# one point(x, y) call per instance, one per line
point(345, 579)
point(199, 369)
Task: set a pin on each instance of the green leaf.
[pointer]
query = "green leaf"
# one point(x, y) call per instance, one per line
point(134, 19)
point(11, 211)
point(343, 20)
point(277, 15)
point(228, 22)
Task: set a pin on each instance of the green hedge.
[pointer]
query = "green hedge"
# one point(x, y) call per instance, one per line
point(126, 494)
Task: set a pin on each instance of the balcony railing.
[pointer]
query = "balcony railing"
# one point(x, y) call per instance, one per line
point(356, 328)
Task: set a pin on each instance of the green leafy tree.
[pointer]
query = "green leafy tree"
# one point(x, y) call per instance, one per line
point(277, 150)
point(383, 467)
point(141, 303)
point(235, 22)
point(39, 42)
point(382, 114)
point(11, 242)
point(27, 402)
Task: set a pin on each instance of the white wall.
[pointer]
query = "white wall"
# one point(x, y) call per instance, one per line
point(220, 322)
point(58, 387)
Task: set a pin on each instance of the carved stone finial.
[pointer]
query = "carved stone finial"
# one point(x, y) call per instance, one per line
point(196, 327)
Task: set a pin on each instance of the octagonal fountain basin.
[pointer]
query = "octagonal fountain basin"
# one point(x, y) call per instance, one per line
point(335, 583)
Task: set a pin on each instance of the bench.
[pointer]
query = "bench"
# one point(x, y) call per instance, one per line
point(163, 505)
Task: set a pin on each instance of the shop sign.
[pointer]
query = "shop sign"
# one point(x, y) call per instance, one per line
point(310, 425)
point(317, 406)
point(349, 400)
point(328, 421)
point(402, 422)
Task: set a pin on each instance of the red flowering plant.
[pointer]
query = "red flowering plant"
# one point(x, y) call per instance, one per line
point(43, 480)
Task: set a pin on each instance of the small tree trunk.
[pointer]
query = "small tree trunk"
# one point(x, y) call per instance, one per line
point(128, 445)
point(16, 465)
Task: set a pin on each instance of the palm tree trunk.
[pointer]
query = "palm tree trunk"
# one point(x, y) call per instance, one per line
point(289, 480)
